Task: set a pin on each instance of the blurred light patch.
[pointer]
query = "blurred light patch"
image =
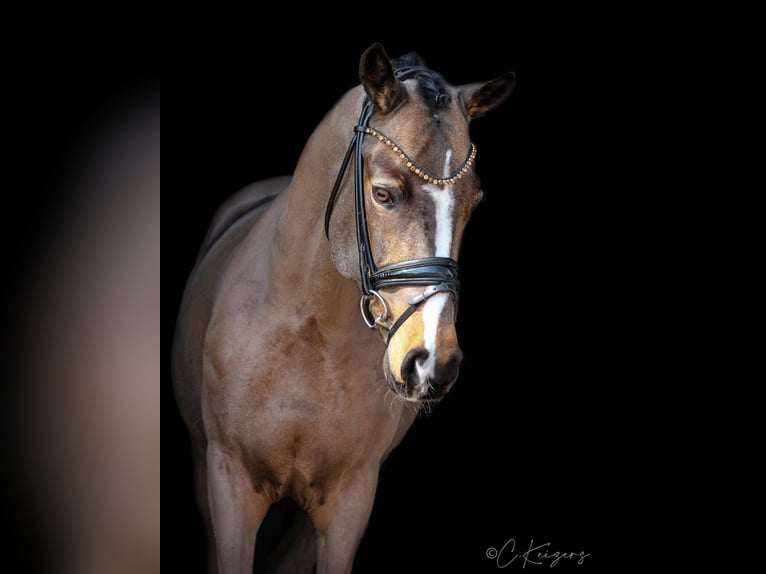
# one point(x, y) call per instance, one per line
point(91, 356)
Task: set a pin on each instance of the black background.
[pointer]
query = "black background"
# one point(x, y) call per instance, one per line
point(536, 441)
point(540, 438)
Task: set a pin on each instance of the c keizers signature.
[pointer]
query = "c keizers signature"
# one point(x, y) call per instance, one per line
point(532, 555)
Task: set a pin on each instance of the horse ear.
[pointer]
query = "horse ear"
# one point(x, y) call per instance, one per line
point(480, 98)
point(378, 79)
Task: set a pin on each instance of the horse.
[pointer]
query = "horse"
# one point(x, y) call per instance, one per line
point(285, 390)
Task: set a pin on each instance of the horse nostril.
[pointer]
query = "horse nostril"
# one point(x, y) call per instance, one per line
point(409, 370)
point(449, 371)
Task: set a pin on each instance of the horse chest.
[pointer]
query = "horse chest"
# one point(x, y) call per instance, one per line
point(300, 431)
point(306, 400)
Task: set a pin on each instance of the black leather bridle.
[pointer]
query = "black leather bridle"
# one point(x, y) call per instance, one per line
point(437, 274)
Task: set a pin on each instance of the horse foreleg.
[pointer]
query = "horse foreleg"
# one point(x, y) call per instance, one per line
point(201, 496)
point(236, 510)
point(341, 521)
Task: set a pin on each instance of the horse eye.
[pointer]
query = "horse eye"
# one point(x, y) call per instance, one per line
point(382, 196)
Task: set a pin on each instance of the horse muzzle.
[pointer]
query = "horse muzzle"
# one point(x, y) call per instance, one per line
point(423, 377)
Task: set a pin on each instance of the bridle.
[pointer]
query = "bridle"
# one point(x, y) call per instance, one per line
point(437, 274)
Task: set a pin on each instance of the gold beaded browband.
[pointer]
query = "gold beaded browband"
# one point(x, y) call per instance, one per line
point(418, 171)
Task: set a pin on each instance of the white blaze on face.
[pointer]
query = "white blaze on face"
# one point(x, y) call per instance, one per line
point(434, 307)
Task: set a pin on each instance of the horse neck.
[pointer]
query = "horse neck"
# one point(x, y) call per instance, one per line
point(303, 262)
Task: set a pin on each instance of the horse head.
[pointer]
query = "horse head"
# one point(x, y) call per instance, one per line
point(398, 232)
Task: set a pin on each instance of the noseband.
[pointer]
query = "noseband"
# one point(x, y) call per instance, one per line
point(437, 274)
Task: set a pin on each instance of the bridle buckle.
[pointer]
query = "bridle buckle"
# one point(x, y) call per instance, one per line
point(430, 292)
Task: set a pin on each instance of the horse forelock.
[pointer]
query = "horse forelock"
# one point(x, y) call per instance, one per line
point(432, 86)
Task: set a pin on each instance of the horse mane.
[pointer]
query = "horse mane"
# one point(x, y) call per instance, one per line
point(431, 84)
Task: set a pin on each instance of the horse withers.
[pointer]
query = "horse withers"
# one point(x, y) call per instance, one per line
point(286, 391)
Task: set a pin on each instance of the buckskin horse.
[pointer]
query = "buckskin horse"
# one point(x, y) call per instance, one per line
point(285, 389)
